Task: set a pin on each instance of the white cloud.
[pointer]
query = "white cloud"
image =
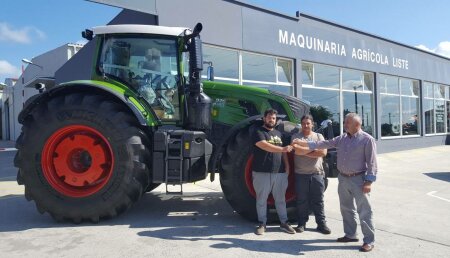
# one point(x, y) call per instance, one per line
point(423, 47)
point(21, 35)
point(8, 70)
point(442, 49)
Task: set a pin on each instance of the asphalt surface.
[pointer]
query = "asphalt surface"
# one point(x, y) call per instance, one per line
point(411, 202)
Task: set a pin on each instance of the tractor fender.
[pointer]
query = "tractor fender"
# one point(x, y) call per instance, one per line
point(36, 100)
point(218, 150)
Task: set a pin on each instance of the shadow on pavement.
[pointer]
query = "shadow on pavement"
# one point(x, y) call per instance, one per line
point(444, 176)
point(191, 217)
point(294, 246)
point(153, 210)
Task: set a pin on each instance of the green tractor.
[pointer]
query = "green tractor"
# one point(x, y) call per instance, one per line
point(89, 149)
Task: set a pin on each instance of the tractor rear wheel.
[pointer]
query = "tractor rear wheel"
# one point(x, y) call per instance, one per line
point(236, 180)
point(82, 157)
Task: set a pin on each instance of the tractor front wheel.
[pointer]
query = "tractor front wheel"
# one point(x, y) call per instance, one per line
point(82, 157)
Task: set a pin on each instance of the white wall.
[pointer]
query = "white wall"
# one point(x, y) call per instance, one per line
point(7, 106)
point(17, 95)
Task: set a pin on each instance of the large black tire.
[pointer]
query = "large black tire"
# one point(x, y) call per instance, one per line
point(122, 178)
point(232, 179)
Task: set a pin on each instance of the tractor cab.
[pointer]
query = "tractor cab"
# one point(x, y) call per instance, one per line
point(151, 61)
point(147, 60)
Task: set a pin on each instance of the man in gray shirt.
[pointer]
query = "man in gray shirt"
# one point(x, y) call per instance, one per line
point(309, 178)
point(357, 164)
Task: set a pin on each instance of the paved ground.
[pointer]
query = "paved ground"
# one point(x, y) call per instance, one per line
point(411, 201)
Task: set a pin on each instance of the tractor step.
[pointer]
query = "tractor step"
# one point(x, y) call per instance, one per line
point(174, 163)
point(180, 192)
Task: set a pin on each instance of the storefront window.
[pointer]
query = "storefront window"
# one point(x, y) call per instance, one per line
point(439, 91)
point(399, 106)
point(439, 103)
point(225, 62)
point(357, 96)
point(322, 87)
point(390, 115)
point(389, 85)
point(360, 103)
point(439, 107)
point(428, 90)
point(357, 80)
point(448, 116)
point(390, 103)
point(284, 70)
point(428, 107)
point(324, 105)
point(307, 73)
point(326, 76)
point(410, 106)
point(447, 101)
point(436, 108)
point(258, 68)
point(263, 71)
point(410, 116)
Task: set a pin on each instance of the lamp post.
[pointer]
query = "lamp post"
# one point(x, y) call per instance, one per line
point(26, 61)
point(356, 97)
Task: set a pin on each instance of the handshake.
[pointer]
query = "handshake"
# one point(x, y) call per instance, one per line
point(296, 144)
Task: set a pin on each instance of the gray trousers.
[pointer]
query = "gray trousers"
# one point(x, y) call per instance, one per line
point(350, 192)
point(266, 183)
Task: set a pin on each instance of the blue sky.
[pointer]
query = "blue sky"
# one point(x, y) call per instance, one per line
point(29, 28)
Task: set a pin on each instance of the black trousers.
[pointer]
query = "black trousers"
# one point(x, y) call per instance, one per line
point(309, 190)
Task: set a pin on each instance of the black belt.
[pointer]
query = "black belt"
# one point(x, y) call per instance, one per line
point(352, 175)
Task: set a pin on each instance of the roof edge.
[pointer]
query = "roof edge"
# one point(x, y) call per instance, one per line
point(371, 35)
point(262, 9)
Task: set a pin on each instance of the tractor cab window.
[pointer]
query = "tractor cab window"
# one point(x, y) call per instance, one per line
point(149, 66)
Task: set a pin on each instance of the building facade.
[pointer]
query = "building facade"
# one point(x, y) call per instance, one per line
point(402, 93)
point(17, 91)
point(7, 108)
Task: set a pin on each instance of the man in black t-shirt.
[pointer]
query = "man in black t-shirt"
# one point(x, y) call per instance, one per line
point(270, 174)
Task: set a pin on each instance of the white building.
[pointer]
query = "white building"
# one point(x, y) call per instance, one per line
point(18, 91)
point(6, 106)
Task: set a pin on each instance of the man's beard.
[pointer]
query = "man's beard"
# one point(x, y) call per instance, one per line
point(270, 126)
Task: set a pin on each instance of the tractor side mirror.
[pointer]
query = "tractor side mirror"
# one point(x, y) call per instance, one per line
point(209, 71)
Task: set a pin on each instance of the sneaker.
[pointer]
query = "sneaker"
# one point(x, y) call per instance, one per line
point(324, 229)
point(300, 229)
point(260, 229)
point(287, 228)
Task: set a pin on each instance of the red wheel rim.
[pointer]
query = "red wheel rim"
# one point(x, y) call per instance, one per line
point(290, 192)
point(77, 161)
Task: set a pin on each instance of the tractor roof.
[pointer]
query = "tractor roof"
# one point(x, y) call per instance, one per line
point(142, 29)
